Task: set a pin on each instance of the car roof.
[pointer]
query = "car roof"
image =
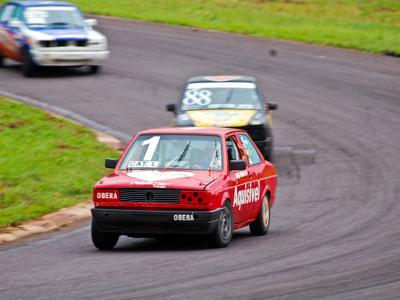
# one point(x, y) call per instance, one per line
point(40, 3)
point(193, 131)
point(222, 78)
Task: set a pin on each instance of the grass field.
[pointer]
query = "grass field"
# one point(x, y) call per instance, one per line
point(46, 162)
point(369, 25)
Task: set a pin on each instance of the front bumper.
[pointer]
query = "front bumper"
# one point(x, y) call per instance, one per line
point(69, 58)
point(151, 223)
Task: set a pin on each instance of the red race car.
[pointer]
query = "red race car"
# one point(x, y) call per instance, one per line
point(184, 181)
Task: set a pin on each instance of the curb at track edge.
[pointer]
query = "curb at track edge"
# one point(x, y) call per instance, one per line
point(69, 215)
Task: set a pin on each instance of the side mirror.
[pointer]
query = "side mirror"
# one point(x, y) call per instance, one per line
point(171, 108)
point(15, 23)
point(272, 106)
point(111, 163)
point(91, 22)
point(237, 165)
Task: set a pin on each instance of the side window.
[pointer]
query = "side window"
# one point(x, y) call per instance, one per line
point(17, 14)
point(7, 13)
point(233, 152)
point(254, 158)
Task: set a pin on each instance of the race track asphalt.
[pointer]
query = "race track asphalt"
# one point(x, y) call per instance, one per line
point(335, 231)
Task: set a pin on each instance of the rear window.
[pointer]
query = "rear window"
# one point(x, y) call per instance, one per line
point(221, 95)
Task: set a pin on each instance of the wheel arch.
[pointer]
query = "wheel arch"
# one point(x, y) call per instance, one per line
point(225, 197)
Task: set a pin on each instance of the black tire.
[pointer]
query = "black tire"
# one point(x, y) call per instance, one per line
point(28, 66)
point(222, 235)
point(268, 154)
point(102, 240)
point(1, 60)
point(261, 225)
point(94, 69)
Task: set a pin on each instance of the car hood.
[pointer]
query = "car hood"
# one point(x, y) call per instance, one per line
point(221, 118)
point(59, 33)
point(170, 179)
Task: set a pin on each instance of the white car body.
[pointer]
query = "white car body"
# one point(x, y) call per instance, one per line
point(50, 44)
point(94, 53)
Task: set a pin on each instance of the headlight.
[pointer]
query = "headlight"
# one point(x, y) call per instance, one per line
point(184, 120)
point(258, 119)
point(98, 43)
point(95, 42)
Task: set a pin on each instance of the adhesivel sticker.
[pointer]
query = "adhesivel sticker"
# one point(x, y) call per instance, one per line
point(143, 164)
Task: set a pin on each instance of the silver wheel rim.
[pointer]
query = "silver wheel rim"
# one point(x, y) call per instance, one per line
point(266, 211)
point(225, 224)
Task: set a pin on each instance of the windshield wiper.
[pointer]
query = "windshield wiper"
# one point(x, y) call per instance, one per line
point(183, 154)
point(229, 97)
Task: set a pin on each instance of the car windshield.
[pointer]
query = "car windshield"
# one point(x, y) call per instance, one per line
point(221, 95)
point(193, 152)
point(53, 16)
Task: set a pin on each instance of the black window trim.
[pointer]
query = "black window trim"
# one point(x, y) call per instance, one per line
point(232, 137)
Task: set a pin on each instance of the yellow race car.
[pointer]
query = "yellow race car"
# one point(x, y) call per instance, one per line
point(227, 101)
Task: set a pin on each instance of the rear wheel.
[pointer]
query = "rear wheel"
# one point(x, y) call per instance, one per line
point(102, 240)
point(28, 66)
point(222, 235)
point(261, 225)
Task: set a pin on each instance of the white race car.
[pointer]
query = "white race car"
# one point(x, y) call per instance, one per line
point(49, 33)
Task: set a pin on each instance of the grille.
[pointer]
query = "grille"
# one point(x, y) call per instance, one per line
point(149, 195)
point(63, 43)
point(81, 43)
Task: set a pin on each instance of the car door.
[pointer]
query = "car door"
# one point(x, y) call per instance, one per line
point(10, 36)
point(238, 181)
point(256, 181)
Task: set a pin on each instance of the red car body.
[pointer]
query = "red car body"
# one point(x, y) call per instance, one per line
point(199, 194)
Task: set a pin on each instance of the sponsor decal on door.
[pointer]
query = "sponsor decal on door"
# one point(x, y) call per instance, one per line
point(246, 194)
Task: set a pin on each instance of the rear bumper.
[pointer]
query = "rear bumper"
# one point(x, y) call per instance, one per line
point(151, 223)
point(69, 58)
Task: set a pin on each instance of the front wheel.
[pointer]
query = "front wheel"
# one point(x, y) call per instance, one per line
point(261, 225)
point(102, 240)
point(1, 60)
point(28, 66)
point(222, 235)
